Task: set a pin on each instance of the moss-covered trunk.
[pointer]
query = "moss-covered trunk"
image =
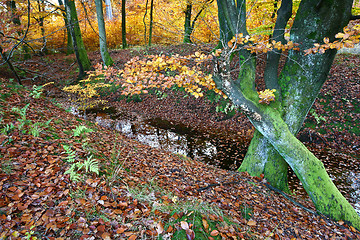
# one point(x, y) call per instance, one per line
point(102, 34)
point(78, 44)
point(275, 146)
point(299, 82)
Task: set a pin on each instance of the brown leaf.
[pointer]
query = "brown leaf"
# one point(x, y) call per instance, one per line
point(106, 236)
point(205, 223)
point(251, 223)
point(214, 233)
point(120, 230)
point(132, 237)
point(159, 228)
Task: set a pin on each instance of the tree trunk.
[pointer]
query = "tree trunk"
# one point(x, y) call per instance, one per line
point(299, 84)
point(123, 24)
point(187, 24)
point(15, 18)
point(108, 8)
point(69, 46)
point(151, 21)
point(102, 34)
point(78, 44)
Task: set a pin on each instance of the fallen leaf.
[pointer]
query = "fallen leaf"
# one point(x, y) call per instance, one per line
point(159, 228)
point(214, 233)
point(251, 223)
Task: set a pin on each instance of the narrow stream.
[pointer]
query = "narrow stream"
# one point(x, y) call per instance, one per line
point(224, 152)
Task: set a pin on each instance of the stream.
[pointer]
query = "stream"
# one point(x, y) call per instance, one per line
point(224, 152)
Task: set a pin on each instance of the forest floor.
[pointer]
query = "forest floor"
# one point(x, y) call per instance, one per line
point(140, 192)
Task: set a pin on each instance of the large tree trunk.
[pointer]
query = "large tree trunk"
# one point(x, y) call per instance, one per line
point(78, 44)
point(102, 34)
point(275, 146)
point(301, 81)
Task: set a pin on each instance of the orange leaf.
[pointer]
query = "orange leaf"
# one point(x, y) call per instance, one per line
point(205, 223)
point(214, 233)
point(251, 223)
point(132, 237)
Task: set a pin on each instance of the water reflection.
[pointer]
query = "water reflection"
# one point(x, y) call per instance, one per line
point(225, 152)
point(180, 139)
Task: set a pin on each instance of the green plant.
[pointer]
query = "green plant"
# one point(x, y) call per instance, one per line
point(188, 217)
point(160, 95)
point(7, 129)
point(6, 166)
point(23, 121)
point(29, 234)
point(227, 108)
point(89, 165)
point(317, 117)
point(36, 91)
point(81, 130)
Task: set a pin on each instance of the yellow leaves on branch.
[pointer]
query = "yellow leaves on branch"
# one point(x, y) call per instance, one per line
point(267, 96)
point(347, 39)
point(255, 44)
point(87, 92)
point(160, 71)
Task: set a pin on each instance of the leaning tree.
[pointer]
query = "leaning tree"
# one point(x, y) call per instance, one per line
point(274, 146)
point(278, 112)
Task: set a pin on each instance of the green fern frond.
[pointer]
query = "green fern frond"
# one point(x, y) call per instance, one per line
point(79, 130)
point(91, 165)
point(71, 155)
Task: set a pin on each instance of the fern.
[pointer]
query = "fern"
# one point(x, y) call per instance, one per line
point(7, 129)
point(80, 130)
point(91, 165)
point(71, 155)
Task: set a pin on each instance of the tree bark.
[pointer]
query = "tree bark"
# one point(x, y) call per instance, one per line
point(123, 24)
point(151, 21)
point(301, 78)
point(78, 44)
point(187, 24)
point(69, 46)
point(299, 84)
point(102, 34)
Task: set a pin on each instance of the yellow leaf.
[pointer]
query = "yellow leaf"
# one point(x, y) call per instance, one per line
point(339, 35)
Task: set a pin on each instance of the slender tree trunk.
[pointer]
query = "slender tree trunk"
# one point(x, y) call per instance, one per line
point(108, 8)
point(15, 18)
point(69, 46)
point(78, 44)
point(123, 23)
point(40, 20)
point(190, 26)
point(151, 21)
point(102, 34)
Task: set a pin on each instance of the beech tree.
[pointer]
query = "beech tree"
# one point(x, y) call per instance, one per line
point(102, 34)
point(274, 146)
point(123, 24)
point(277, 112)
point(190, 25)
point(77, 42)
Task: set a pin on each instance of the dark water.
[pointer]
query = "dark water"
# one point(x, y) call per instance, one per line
point(225, 152)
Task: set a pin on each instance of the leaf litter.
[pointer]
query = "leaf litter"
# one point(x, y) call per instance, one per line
point(141, 192)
